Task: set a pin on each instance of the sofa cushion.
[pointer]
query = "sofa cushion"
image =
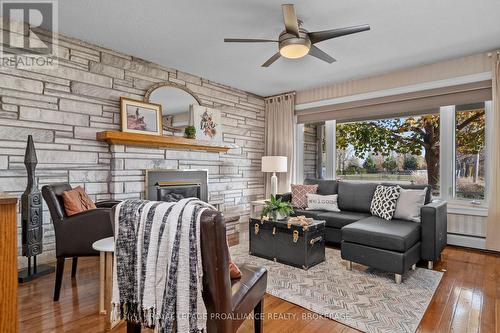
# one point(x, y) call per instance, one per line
point(428, 194)
point(322, 202)
point(384, 201)
point(409, 204)
point(299, 198)
point(340, 219)
point(325, 186)
point(356, 197)
point(307, 213)
point(394, 235)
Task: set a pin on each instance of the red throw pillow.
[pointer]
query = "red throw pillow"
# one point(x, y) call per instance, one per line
point(234, 271)
point(299, 194)
point(76, 201)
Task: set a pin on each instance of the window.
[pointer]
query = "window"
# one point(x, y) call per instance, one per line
point(402, 150)
point(470, 157)
point(445, 147)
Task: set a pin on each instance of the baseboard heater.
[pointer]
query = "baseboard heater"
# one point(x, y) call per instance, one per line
point(474, 242)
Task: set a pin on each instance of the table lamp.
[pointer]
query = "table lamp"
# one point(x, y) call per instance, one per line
point(274, 164)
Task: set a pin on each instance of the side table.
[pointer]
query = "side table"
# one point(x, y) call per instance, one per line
point(107, 248)
point(256, 207)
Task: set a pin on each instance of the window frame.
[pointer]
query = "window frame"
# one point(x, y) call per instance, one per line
point(447, 168)
point(331, 154)
point(447, 179)
point(448, 164)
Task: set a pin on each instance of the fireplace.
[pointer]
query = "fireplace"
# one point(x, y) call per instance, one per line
point(173, 185)
point(175, 191)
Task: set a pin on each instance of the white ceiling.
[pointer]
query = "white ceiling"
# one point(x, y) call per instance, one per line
point(188, 35)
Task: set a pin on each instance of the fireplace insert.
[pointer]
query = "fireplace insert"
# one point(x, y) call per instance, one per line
point(175, 191)
point(168, 185)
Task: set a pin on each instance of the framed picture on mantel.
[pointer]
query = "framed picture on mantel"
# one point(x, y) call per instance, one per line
point(207, 122)
point(140, 117)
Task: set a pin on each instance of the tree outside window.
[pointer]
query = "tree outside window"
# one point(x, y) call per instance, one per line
point(413, 141)
point(407, 149)
point(470, 151)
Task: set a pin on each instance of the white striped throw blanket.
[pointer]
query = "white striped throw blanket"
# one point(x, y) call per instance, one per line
point(157, 271)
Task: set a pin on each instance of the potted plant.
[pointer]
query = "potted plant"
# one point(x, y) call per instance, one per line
point(276, 209)
point(190, 132)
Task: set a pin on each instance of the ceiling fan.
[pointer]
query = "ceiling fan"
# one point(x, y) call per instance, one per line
point(296, 42)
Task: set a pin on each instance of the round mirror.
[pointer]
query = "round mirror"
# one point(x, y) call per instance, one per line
point(175, 102)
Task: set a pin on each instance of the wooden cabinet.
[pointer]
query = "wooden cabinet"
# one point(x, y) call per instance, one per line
point(8, 262)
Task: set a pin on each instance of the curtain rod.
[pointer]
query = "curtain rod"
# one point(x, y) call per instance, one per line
point(490, 54)
point(282, 94)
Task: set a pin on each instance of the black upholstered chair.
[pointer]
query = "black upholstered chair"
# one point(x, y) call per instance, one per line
point(75, 234)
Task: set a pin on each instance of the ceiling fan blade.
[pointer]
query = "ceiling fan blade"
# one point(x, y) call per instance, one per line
point(319, 36)
point(248, 40)
point(316, 52)
point(271, 60)
point(290, 19)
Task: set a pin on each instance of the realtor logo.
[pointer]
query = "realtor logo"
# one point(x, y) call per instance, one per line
point(29, 34)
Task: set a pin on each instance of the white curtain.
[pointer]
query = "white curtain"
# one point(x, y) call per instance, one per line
point(493, 228)
point(279, 136)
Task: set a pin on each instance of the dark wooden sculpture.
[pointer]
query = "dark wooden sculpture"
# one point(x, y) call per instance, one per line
point(32, 218)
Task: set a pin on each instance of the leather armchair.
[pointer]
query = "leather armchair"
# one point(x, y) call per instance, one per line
point(228, 301)
point(75, 234)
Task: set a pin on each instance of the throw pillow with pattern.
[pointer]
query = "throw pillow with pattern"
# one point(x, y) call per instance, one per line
point(299, 194)
point(384, 201)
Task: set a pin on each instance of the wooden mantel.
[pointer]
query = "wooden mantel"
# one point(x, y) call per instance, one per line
point(145, 140)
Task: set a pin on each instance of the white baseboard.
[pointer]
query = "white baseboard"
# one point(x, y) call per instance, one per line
point(467, 241)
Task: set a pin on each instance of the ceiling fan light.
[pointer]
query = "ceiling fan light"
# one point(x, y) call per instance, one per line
point(294, 51)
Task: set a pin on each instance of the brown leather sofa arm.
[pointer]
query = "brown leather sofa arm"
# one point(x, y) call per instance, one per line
point(107, 203)
point(75, 234)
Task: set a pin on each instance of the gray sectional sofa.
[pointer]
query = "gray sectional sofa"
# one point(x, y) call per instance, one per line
point(393, 246)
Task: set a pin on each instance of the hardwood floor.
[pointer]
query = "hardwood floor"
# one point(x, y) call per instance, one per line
point(467, 300)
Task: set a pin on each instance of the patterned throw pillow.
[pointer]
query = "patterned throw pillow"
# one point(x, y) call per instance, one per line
point(322, 202)
point(384, 201)
point(299, 198)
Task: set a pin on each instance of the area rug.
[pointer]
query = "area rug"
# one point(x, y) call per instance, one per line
point(364, 298)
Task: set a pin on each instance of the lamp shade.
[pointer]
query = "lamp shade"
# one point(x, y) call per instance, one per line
point(274, 164)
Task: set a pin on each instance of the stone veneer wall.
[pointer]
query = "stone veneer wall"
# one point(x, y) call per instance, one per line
point(64, 108)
